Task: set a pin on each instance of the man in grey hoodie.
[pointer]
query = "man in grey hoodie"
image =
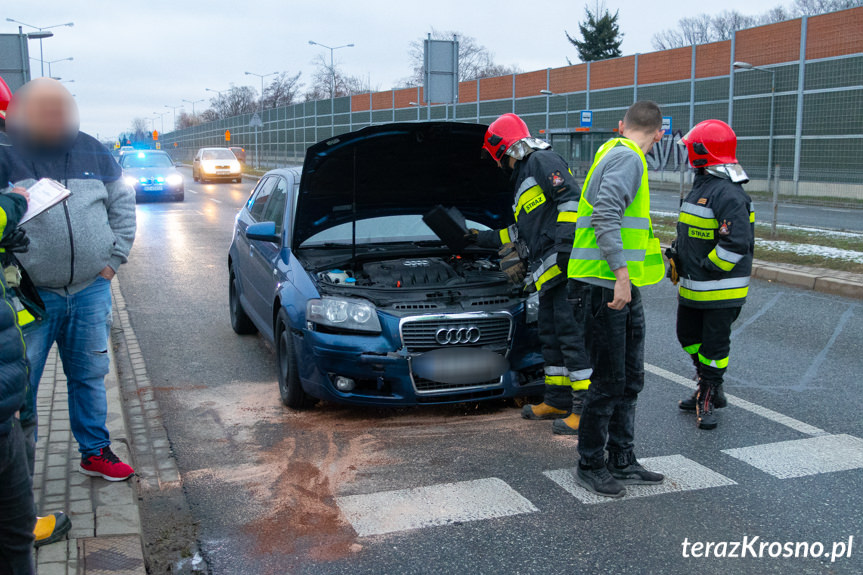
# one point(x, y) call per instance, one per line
point(75, 250)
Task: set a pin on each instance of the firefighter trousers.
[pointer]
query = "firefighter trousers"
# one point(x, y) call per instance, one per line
point(567, 362)
point(705, 335)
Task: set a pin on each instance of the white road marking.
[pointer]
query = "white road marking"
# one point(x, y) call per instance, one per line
point(215, 200)
point(802, 457)
point(405, 509)
point(764, 412)
point(681, 474)
point(192, 191)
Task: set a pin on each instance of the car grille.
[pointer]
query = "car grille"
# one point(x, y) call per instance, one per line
point(420, 334)
point(428, 386)
point(147, 181)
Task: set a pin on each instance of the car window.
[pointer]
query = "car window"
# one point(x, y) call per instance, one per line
point(142, 160)
point(258, 200)
point(275, 210)
point(218, 154)
point(401, 228)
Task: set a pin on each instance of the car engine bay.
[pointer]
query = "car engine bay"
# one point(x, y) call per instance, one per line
point(416, 272)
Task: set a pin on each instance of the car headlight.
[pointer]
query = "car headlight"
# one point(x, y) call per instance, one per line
point(130, 181)
point(235, 166)
point(174, 179)
point(208, 166)
point(344, 314)
point(531, 308)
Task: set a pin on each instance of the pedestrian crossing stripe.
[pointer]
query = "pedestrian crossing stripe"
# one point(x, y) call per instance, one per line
point(803, 457)
point(446, 503)
point(681, 474)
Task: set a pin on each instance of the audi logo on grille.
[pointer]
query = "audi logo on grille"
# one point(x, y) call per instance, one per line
point(456, 335)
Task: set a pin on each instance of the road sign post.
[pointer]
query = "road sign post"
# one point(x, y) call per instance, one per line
point(256, 123)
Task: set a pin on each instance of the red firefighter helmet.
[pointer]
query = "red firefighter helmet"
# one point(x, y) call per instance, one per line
point(503, 133)
point(711, 143)
point(5, 98)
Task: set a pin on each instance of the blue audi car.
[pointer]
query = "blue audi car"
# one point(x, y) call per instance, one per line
point(337, 266)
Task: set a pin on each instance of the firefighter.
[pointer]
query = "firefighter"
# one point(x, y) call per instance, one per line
point(545, 207)
point(712, 261)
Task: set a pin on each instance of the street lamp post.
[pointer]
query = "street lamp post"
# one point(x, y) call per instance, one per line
point(161, 120)
point(333, 77)
point(40, 36)
point(261, 76)
point(548, 94)
point(193, 102)
point(49, 62)
point(770, 184)
point(174, 108)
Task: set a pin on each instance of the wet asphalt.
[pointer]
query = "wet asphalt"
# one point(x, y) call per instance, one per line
point(261, 479)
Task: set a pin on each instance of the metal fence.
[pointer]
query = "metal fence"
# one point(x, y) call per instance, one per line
point(817, 65)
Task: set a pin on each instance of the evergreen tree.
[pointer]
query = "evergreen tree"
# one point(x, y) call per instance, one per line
point(600, 35)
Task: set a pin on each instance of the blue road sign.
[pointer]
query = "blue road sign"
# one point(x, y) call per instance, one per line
point(666, 124)
point(586, 117)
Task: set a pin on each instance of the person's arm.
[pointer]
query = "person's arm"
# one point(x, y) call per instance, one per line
point(121, 218)
point(13, 206)
point(495, 238)
point(620, 180)
point(734, 234)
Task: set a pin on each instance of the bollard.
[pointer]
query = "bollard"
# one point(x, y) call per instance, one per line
point(775, 201)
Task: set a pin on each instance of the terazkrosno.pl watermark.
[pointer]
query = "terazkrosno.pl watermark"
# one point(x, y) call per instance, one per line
point(755, 548)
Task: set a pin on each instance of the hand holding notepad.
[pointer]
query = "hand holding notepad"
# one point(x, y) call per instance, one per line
point(44, 194)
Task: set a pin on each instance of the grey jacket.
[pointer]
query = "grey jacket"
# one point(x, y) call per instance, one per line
point(610, 190)
point(72, 242)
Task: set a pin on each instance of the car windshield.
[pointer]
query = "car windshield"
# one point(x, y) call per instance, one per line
point(384, 229)
point(217, 155)
point(142, 160)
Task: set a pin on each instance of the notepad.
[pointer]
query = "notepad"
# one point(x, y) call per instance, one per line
point(44, 195)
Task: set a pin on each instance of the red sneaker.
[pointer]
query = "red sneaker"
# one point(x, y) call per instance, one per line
point(106, 465)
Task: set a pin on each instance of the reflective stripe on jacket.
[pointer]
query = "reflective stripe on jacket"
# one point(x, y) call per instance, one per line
point(640, 247)
point(544, 209)
point(715, 243)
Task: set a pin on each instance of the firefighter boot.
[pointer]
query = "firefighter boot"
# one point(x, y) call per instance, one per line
point(542, 411)
point(704, 407)
point(719, 400)
point(567, 425)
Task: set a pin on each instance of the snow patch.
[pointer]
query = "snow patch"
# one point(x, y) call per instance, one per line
point(810, 250)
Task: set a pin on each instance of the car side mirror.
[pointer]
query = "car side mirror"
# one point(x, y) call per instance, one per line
point(264, 232)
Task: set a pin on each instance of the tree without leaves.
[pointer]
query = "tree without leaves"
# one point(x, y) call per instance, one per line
point(474, 60)
point(283, 90)
point(600, 35)
point(322, 81)
point(235, 101)
point(706, 28)
point(187, 120)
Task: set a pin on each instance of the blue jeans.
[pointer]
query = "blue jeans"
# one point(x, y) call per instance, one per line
point(80, 324)
point(617, 353)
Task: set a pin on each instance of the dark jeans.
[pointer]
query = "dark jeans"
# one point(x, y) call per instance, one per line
point(563, 350)
point(17, 510)
point(706, 334)
point(617, 354)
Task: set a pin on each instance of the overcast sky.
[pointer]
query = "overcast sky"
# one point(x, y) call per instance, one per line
point(133, 58)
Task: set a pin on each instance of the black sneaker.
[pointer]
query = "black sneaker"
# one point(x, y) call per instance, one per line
point(599, 481)
point(628, 471)
point(719, 400)
point(704, 408)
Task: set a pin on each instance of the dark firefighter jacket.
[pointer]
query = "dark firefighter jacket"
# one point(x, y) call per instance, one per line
point(715, 243)
point(545, 207)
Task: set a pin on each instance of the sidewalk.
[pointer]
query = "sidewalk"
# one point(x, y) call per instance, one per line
point(105, 537)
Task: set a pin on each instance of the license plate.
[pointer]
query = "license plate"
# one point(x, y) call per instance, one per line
point(154, 188)
point(223, 172)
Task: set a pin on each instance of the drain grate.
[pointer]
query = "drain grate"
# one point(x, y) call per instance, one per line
point(111, 556)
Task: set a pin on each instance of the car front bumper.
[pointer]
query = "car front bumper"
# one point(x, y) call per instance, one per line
point(383, 373)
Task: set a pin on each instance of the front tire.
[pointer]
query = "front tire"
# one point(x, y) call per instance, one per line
point(290, 388)
point(241, 323)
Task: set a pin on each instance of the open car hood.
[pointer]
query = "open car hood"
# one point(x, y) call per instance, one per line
point(400, 169)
